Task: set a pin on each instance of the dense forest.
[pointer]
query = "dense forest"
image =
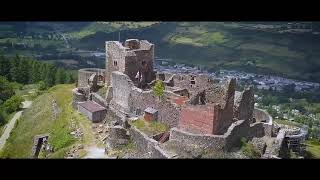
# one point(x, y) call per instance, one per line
point(17, 71)
point(29, 71)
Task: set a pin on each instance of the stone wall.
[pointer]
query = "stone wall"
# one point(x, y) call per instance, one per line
point(78, 95)
point(134, 56)
point(226, 142)
point(168, 112)
point(257, 130)
point(215, 142)
point(279, 148)
point(261, 115)
point(225, 112)
point(146, 144)
point(84, 75)
point(99, 100)
point(191, 82)
point(197, 119)
point(237, 130)
point(122, 87)
point(115, 59)
point(244, 105)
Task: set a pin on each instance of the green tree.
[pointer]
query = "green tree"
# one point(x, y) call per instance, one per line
point(69, 78)
point(60, 76)
point(269, 100)
point(4, 67)
point(14, 70)
point(13, 103)
point(41, 86)
point(6, 89)
point(2, 116)
point(50, 75)
point(158, 89)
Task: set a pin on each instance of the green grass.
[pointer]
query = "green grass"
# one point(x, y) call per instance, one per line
point(38, 120)
point(313, 149)
point(249, 150)
point(94, 27)
point(150, 128)
point(120, 152)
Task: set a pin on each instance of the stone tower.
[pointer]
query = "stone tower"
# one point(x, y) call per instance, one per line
point(134, 58)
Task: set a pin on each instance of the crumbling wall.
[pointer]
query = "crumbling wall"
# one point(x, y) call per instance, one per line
point(225, 142)
point(109, 94)
point(122, 87)
point(147, 57)
point(237, 130)
point(115, 59)
point(99, 100)
point(257, 130)
point(225, 111)
point(261, 115)
point(197, 119)
point(134, 56)
point(132, 44)
point(148, 145)
point(244, 105)
point(79, 95)
point(279, 147)
point(84, 75)
point(182, 92)
point(215, 142)
point(191, 82)
point(38, 142)
point(169, 113)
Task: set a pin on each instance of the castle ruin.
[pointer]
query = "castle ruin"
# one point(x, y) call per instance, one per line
point(199, 112)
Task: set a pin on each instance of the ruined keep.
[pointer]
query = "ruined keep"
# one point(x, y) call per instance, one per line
point(197, 110)
point(134, 58)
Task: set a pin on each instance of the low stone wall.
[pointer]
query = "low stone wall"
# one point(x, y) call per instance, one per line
point(216, 142)
point(232, 138)
point(262, 115)
point(84, 75)
point(158, 153)
point(147, 145)
point(279, 147)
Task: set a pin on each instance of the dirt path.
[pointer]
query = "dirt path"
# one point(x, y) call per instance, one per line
point(10, 125)
point(94, 152)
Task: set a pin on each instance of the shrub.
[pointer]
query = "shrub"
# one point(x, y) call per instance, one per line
point(41, 86)
point(249, 150)
point(13, 104)
point(158, 89)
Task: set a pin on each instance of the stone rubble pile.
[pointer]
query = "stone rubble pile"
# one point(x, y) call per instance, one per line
point(74, 151)
point(100, 132)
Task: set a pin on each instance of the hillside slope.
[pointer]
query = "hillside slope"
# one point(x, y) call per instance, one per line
point(41, 118)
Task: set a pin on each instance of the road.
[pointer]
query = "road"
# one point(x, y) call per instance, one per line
point(8, 127)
